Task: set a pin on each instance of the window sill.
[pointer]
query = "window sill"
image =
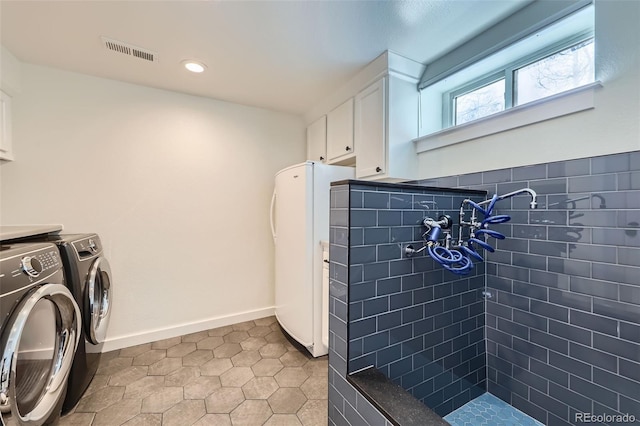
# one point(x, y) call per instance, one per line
point(579, 99)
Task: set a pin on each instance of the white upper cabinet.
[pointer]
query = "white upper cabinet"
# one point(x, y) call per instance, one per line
point(375, 121)
point(370, 131)
point(5, 127)
point(340, 146)
point(386, 122)
point(317, 140)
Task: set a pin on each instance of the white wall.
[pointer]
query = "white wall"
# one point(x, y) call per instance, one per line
point(612, 126)
point(10, 70)
point(178, 188)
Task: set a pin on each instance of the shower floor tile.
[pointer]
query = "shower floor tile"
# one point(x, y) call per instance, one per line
point(489, 410)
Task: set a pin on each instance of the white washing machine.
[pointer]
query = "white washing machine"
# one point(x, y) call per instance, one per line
point(40, 326)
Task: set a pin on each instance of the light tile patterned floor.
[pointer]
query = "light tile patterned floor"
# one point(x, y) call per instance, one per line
point(490, 411)
point(244, 374)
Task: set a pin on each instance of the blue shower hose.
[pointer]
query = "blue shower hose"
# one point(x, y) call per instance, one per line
point(458, 260)
point(451, 259)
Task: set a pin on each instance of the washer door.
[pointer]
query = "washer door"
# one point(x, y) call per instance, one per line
point(38, 346)
point(98, 303)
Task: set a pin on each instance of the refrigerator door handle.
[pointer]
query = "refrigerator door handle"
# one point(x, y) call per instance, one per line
point(273, 227)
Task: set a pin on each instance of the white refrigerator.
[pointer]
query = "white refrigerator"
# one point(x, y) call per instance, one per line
point(300, 226)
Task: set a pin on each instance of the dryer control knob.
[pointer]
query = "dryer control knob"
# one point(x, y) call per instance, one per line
point(92, 246)
point(31, 266)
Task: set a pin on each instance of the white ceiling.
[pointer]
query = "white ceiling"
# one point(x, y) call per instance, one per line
point(280, 55)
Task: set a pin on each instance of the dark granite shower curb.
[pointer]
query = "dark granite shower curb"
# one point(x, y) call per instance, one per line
point(397, 405)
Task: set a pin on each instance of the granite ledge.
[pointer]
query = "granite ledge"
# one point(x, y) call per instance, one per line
point(410, 185)
point(395, 403)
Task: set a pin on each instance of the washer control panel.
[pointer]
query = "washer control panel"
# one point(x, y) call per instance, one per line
point(34, 265)
point(31, 266)
point(24, 264)
point(88, 247)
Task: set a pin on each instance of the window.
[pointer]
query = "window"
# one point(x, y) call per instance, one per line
point(479, 102)
point(553, 59)
point(548, 74)
point(556, 73)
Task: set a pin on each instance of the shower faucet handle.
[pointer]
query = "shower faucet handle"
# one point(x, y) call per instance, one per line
point(444, 221)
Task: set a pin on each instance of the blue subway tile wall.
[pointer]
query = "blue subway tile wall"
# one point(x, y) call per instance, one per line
point(563, 322)
point(428, 331)
point(421, 327)
point(346, 405)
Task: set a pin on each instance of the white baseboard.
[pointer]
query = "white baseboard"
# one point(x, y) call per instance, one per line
point(149, 336)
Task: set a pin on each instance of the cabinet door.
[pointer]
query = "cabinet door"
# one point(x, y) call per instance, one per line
point(370, 130)
point(340, 144)
point(5, 127)
point(317, 140)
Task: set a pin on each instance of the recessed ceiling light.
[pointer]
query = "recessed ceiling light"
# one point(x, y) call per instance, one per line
point(194, 66)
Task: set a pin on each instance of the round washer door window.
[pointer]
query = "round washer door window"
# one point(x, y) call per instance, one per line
point(38, 344)
point(98, 303)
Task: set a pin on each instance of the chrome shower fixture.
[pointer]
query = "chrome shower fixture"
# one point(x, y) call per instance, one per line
point(434, 227)
point(456, 255)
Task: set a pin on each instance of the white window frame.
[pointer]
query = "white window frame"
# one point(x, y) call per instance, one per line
point(449, 97)
point(564, 103)
point(545, 53)
point(506, 73)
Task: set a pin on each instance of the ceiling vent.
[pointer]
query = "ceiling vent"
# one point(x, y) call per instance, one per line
point(129, 49)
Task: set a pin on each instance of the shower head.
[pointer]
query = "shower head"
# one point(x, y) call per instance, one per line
point(533, 204)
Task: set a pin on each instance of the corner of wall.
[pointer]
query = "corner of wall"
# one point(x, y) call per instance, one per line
point(10, 70)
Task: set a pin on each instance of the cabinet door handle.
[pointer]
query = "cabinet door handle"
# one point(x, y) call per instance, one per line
point(321, 158)
point(347, 148)
point(378, 169)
